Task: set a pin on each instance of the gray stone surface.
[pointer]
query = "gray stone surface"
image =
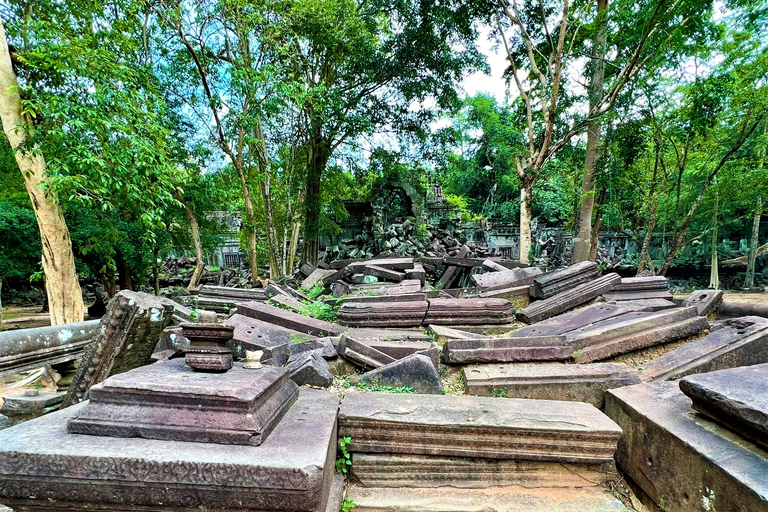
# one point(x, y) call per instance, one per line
point(171, 402)
point(500, 499)
point(415, 371)
point(29, 403)
point(252, 334)
point(579, 319)
point(361, 353)
point(502, 350)
point(705, 301)
point(401, 349)
point(549, 381)
point(464, 426)
point(288, 319)
point(43, 466)
point(568, 299)
point(736, 398)
point(737, 342)
point(397, 470)
point(682, 460)
point(310, 369)
point(478, 311)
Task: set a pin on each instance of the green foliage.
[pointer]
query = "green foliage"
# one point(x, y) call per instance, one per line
point(344, 461)
point(347, 505)
point(320, 310)
point(316, 290)
point(20, 255)
point(377, 386)
point(499, 392)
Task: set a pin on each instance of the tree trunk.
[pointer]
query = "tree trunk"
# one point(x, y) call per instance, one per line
point(1, 303)
point(749, 282)
point(526, 192)
point(199, 260)
point(317, 158)
point(63, 288)
point(108, 281)
point(294, 245)
point(123, 273)
point(714, 277)
point(644, 252)
point(594, 242)
point(275, 268)
point(250, 224)
point(583, 240)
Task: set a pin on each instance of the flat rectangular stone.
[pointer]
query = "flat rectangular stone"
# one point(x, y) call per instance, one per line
point(401, 349)
point(417, 273)
point(503, 350)
point(30, 403)
point(228, 292)
point(251, 334)
point(443, 333)
point(217, 304)
point(386, 298)
point(706, 301)
point(371, 269)
point(469, 311)
point(43, 466)
point(240, 406)
point(398, 470)
point(288, 319)
point(406, 286)
point(450, 272)
point(518, 295)
point(549, 381)
point(365, 334)
point(642, 283)
point(562, 302)
point(362, 354)
point(493, 266)
point(315, 277)
point(383, 314)
point(573, 320)
point(287, 302)
point(638, 295)
point(507, 278)
point(558, 281)
point(682, 460)
point(461, 426)
point(736, 398)
point(646, 304)
point(739, 342)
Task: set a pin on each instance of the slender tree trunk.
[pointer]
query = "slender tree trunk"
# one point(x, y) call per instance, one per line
point(250, 224)
point(123, 273)
point(749, 282)
point(317, 158)
point(714, 277)
point(156, 272)
point(196, 242)
point(595, 237)
point(645, 259)
point(582, 248)
point(275, 268)
point(63, 288)
point(108, 281)
point(526, 193)
point(294, 245)
point(1, 303)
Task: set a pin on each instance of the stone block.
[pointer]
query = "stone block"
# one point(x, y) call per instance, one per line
point(315, 277)
point(398, 470)
point(310, 369)
point(619, 296)
point(383, 314)
point(549, 381)
point(736, 398)
point(738, 342)
point(682, 460)
point(568, 299)
point(578, 319)
point(288, 319)
point(401, 349)
point(507, 278)
point(476, 311)
point(463, 426)
point(30, 403)
point(361, 353)
point(42, 466)
point(558, 281)
point(705, 301)
point(415, 371)
point(234, 294)
point(251, 334)
point(240, 406)
point(503, 350)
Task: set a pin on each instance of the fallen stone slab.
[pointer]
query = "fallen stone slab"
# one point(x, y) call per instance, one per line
point(366, 334)
point(239, 406)
point(507, 278)
point(252, 334)
point(628, 284)
point(416, 371)
point(469, 311)
point(416, 273)
point(30, 403)
point(462, 426)
point(383, 314)
point(451, 270)
point(361, 353)
point(493, 266)
point(549, 381)
point(315, 277)
point(738, 342)
point(735, 398)
point(398, 470)
point(386, 298)
point(499, 499)
point(288, 319)
point(503, 350)
point(562, 302)
point(400, 349)
point(517, 295)
point(371, 269)
point(217, 304)
point(706, 301)
point(558, 281)
point(407, 286)
point(309, 369)
point(619, 296)
point(227, 292)
point(27, 349)
point(124, 340)
point(645, 304)
point(287, 302)
point(578, 319)
point(443, 333)
point(43, 466)
point(172, 344)
point(736, 309)
point(680, 459)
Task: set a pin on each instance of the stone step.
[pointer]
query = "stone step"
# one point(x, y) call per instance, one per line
point(497, 499)
point(461, 426)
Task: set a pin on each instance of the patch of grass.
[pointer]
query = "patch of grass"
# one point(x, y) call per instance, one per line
point(344, 460)
point(316, 290)
point(295, 338)
point(320, 310)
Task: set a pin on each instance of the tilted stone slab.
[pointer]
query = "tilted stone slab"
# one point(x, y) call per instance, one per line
point(476, 311)
point(494, 266)
point(44, 466)
point(578, 319)
point(642, 283)
point(681, 459)
point(645, 304)
point(450, 272)
point(26, 349)
point(562, 302)
point(416, 371)
point(417, 272)
point(251, 334)
point(362, 354)
point(443, 333)
point(555, 282)
point(706, 301)
point(406, 286)
point(549, 381)
point(397, 470)
point(227, 292)
point(29, 403)
point(386, 298)
point(125, 339)
point(507, 278)
point(240, 406)
point(503, 350)
point(288, 319)
point(736, 398)
point(383, 314)
point(375, 333)
point(462, 426)
point(738, 342)
point(400, 349)
point(371, 269)
point(638, 295)
point(315, 277)
point(309, 368)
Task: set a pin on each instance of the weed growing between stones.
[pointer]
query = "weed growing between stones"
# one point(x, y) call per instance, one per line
point(344, 460)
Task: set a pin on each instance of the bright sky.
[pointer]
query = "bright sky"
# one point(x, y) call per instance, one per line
point(480, 82)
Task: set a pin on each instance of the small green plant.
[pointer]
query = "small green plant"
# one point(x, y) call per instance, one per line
point(377, 386)
point(295, 338)
point(314, 292)
point(347, 505)
point(499, 392)
point(344, 460)
point(319, 310)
